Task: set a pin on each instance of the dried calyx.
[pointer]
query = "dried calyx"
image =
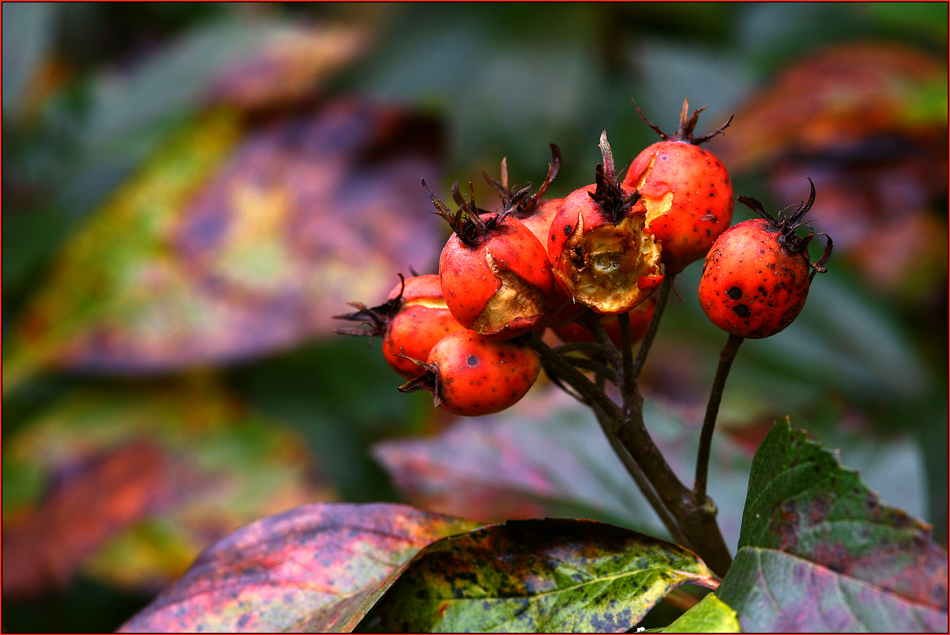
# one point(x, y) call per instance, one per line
point(374, 320)
point(526, 205)
point(429, 379)
point(472, 224)
point(687, 125)
point(608, 193)
point(786, 224)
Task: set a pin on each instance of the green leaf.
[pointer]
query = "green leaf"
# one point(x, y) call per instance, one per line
point(776, 592)
point(316, 568)
point(811, 529)
point(551, 575)
point(711, 615)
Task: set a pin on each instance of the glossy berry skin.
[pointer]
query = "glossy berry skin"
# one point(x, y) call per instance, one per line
point(688, 197)
point(640, 317)
point(496, 284)
point(559, 307)
point(606, 263)
point(540, 217)
point(471, 375)
point(421, 319)
point(752, 285)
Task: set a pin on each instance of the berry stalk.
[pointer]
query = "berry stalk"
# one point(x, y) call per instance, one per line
point(689, 523)
point(592, 395)
point(647, 342)
point(726, 358)
point(607, 345)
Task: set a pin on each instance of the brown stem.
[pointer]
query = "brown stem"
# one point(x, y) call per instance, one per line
point(691, 524)
point(588, 347)
point(575, 378)
point(610, 349)
point(654, 324)
point(697, 524)
point(629, 382)
point(602, 370)
point(726, 357)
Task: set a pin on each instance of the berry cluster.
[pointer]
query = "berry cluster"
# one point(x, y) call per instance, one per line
point(581, 264)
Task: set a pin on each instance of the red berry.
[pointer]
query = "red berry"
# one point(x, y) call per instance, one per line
point(423, 320)
point(540, 219)
point(472, 375)
point(686, 190)
point(410, 322)
point(537, 214)
point(756, 276)
point(599, 252)
point(495, 274)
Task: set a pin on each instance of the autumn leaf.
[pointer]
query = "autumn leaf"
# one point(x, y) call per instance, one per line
point(835, 96)
point(128, 486)
point(233, 242)
point(543, 575)
point(316, 568)
point(819, 551)
point(867, 123)
point(109, 493)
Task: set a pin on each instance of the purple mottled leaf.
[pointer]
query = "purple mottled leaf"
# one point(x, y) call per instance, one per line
point(778, 593)
point(818, 550)
point(239, 240)
point(316, 568)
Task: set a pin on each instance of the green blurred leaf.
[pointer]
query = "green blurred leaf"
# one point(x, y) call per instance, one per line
point(912, 19)
point(316, 568)
point(536, 81)
point(843, 341)
point(129, 485)
point(240, 61)
point(28, 30)
point(340, 408)
point(711, 615)
point(551, 575)
point(45, 229)
point(810, 525)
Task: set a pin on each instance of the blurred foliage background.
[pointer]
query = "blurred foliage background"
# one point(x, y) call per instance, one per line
point(191, 190)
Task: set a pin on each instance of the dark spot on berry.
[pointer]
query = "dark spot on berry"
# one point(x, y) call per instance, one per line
point(735, 293)
point(567, 230)
point(472, 360)
point(742, 310)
